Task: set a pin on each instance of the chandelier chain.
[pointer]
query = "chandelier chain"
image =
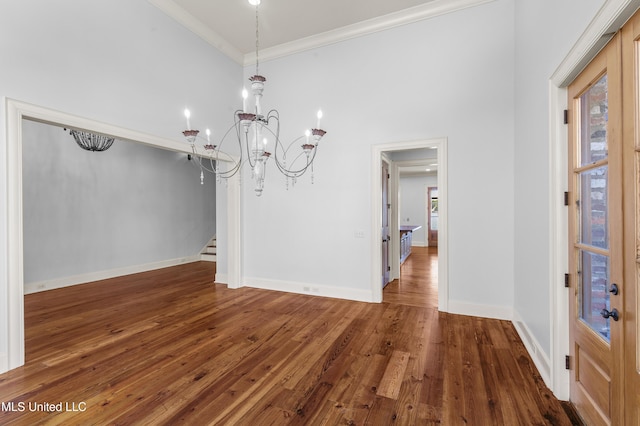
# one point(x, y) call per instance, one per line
point(257, 42)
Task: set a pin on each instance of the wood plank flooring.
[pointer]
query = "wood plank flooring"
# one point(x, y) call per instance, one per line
point(171, 347)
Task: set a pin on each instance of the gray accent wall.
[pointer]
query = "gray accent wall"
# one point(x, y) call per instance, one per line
point(87, 212)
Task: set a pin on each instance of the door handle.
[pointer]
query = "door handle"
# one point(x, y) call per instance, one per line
point(613, 289)
point(613, 314)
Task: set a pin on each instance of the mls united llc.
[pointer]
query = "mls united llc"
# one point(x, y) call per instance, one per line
point(43, 406)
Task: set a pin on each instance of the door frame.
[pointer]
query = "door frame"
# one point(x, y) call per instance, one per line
point(611, 16)
point(16, 111)
point(428, 214)
point(376, 195)
point(389, 275)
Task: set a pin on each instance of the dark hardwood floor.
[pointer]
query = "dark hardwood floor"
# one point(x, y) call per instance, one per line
point(171, 347)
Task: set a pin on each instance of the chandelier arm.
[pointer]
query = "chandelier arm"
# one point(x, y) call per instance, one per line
point(278, 142)
point(298, 172)
point(275, 115)
point(218, 151)
point(249, 156)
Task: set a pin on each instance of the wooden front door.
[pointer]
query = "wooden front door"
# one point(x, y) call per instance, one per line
point(596, 239)
point(631, 209)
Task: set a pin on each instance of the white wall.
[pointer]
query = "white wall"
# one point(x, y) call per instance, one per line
point(450, 76)
point(413, 204)
point(121, 62)
point(81, 208)
point(457, 76)
point(545, 32)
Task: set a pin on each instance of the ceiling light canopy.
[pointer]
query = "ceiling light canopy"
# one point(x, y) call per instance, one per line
point(258, 138)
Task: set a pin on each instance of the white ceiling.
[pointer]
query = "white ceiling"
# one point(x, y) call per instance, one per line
point(416, 162)
point(289, 26)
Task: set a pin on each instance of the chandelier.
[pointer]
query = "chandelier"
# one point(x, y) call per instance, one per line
point(91, 141)
point(258, 138)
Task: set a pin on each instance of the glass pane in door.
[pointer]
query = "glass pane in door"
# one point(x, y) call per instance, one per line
point(593, 217)
point(594, 297)
point(593, 129)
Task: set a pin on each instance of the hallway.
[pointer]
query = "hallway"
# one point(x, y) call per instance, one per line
point(418, 283)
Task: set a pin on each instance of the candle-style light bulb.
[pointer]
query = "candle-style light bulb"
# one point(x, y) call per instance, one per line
point(319, 117)
point(307, 133)
point(245, 95)
point(187, 114)
point(208, 135)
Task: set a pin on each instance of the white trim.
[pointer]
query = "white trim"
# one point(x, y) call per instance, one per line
point(394, 220)
point(309, 289)
point(376, 196)
point(4, 363)
point(234, 232)
point(417, 13)
point(558, 242)
point(15, 112)
point(609, 19)
point(190, 22)
point(39, 286)
point(15, 265)
point(539, 357)
point(477, 310)
point(421, 12)
point(443, 226)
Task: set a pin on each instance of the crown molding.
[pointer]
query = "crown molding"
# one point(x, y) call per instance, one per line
point(171, 9)
point(370, 26)
point(607, 22)
point(403, 17)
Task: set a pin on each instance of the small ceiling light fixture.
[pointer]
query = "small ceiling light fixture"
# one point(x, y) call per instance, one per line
point(91, 141)
point(255, 133)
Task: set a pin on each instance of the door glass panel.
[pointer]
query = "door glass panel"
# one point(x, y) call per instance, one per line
point(593, 296)
point(593, 221)
point(594, 116)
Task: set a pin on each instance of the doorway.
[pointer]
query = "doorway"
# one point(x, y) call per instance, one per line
point(16, 112)
point(403, 154)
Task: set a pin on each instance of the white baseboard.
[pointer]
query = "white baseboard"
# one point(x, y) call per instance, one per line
point(221, 279)
point(310, 289)
point(38, 286)
point(475, 310)
point(419, 244)
point(540, 358)
point(4, 363)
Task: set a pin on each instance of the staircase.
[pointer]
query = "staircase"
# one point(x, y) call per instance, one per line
point(208, 253)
